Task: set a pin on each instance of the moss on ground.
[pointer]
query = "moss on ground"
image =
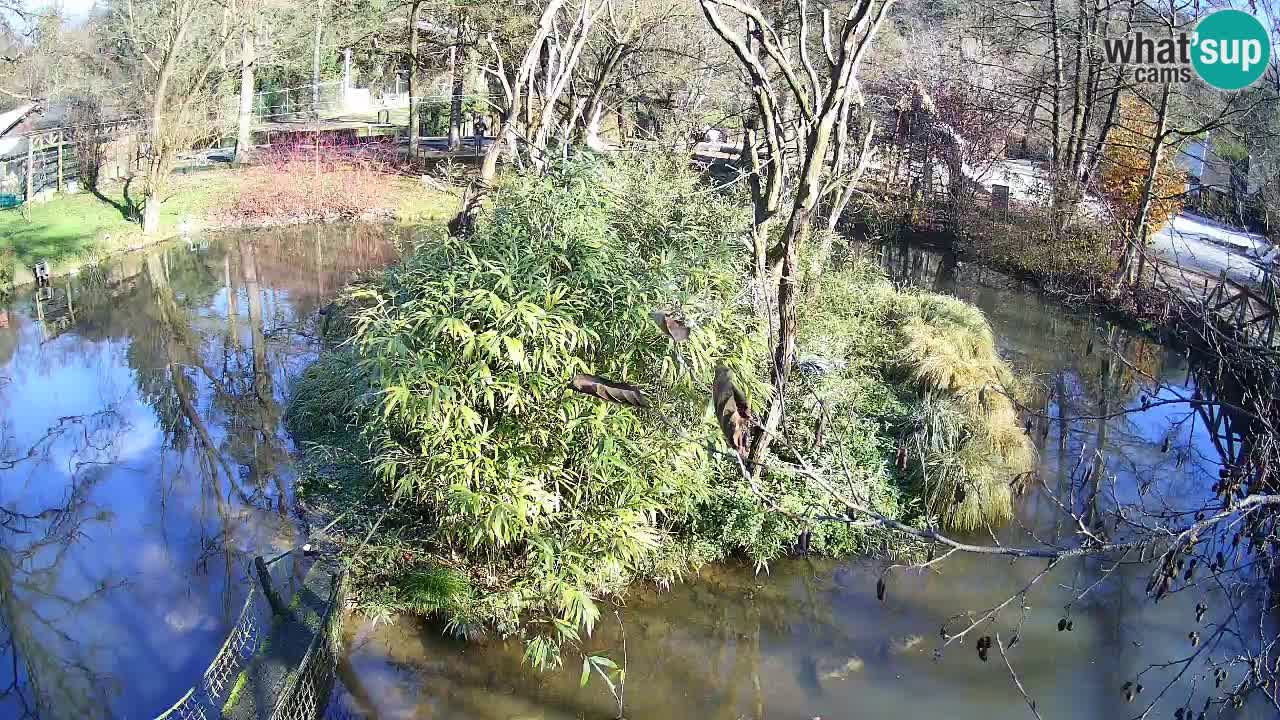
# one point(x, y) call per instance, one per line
point(241, 679)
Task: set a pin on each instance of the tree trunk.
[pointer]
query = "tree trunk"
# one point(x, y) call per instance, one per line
point(414, 105)
point(595, 99)
point(1055, 161)
point(591, 132)
point(158, 165)
point(794, 236)
point(513, 89)
point(248, 57)
point(457, 67)
point(315, 59)
point(1109, 120)
point(554, 86)
point(151, 215)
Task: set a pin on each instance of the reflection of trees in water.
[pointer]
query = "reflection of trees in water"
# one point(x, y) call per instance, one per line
point(212, 382)
point(239, 361)
point(47, 669)
point(173, 359)
point(722, 642)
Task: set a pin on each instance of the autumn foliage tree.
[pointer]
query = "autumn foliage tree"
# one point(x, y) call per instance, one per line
point(1126, 165)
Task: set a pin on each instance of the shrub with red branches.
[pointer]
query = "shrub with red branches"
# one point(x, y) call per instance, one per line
point(310, 177)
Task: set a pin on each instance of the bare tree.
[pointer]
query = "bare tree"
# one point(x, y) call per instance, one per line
point(816, 101)
point(627, 30)
point(248, 58)
point(172, 47)
point(531, 92)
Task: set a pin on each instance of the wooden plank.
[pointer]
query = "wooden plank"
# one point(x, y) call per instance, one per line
point(1224, 303)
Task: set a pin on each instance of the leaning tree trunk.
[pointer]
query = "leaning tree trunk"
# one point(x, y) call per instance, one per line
point(515, 103)
point(1130, 268)
point(595, 102)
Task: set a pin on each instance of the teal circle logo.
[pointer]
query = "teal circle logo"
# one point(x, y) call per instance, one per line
point(1231, 49)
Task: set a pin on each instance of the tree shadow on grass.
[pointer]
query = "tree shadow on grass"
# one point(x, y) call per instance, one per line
point(128, 209)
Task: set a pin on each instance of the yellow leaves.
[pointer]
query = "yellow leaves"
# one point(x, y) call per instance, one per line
point(515, 350)
point(1126, 162)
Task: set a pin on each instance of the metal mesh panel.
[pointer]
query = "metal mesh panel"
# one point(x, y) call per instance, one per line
point(307, 693)
point(203, 701)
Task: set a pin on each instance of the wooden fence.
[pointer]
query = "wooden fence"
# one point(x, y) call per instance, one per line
point(50, 161)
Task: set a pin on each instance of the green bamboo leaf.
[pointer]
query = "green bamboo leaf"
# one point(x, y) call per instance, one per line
point(515, 350)
point(604, 661)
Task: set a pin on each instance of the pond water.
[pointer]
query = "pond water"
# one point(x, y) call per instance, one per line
point(151, 390)
point(142, 461)
point(809, 639)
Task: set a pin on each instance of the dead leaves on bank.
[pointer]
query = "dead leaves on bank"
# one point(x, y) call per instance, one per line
point(671, 326)
point(733, 412)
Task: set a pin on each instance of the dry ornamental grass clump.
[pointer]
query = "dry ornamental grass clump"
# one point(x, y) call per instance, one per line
point(925, 367)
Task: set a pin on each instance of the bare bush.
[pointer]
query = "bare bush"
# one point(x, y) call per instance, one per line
point(91, 137)
point(314, 179)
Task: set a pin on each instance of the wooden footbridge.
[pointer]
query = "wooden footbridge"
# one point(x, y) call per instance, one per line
point(1244, 313)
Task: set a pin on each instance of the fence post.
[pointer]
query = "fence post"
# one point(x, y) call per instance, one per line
point(60, 185)
point(273, 598)
point(31, 165)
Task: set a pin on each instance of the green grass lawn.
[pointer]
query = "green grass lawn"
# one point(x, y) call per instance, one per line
point(72, 230)
point(420, 203)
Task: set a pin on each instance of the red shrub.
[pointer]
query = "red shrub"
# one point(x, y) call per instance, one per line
point(315, 177)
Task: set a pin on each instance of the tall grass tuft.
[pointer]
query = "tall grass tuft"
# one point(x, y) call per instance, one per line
point(965, 449)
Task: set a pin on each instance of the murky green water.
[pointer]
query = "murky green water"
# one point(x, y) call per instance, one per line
point(151, 391)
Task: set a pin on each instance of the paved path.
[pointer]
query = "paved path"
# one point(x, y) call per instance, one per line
point(1206, 246)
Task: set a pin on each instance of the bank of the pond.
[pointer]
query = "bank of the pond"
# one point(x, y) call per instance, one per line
point(1074, 267)
point(71, 231)
point(476, 487)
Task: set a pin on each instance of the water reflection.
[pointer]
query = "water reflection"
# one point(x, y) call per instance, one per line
point(142, 459)
point(810, 640)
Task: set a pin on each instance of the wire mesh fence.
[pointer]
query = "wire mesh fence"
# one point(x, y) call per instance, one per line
point(306, 694)
point(205, 699)
point(304, 102)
